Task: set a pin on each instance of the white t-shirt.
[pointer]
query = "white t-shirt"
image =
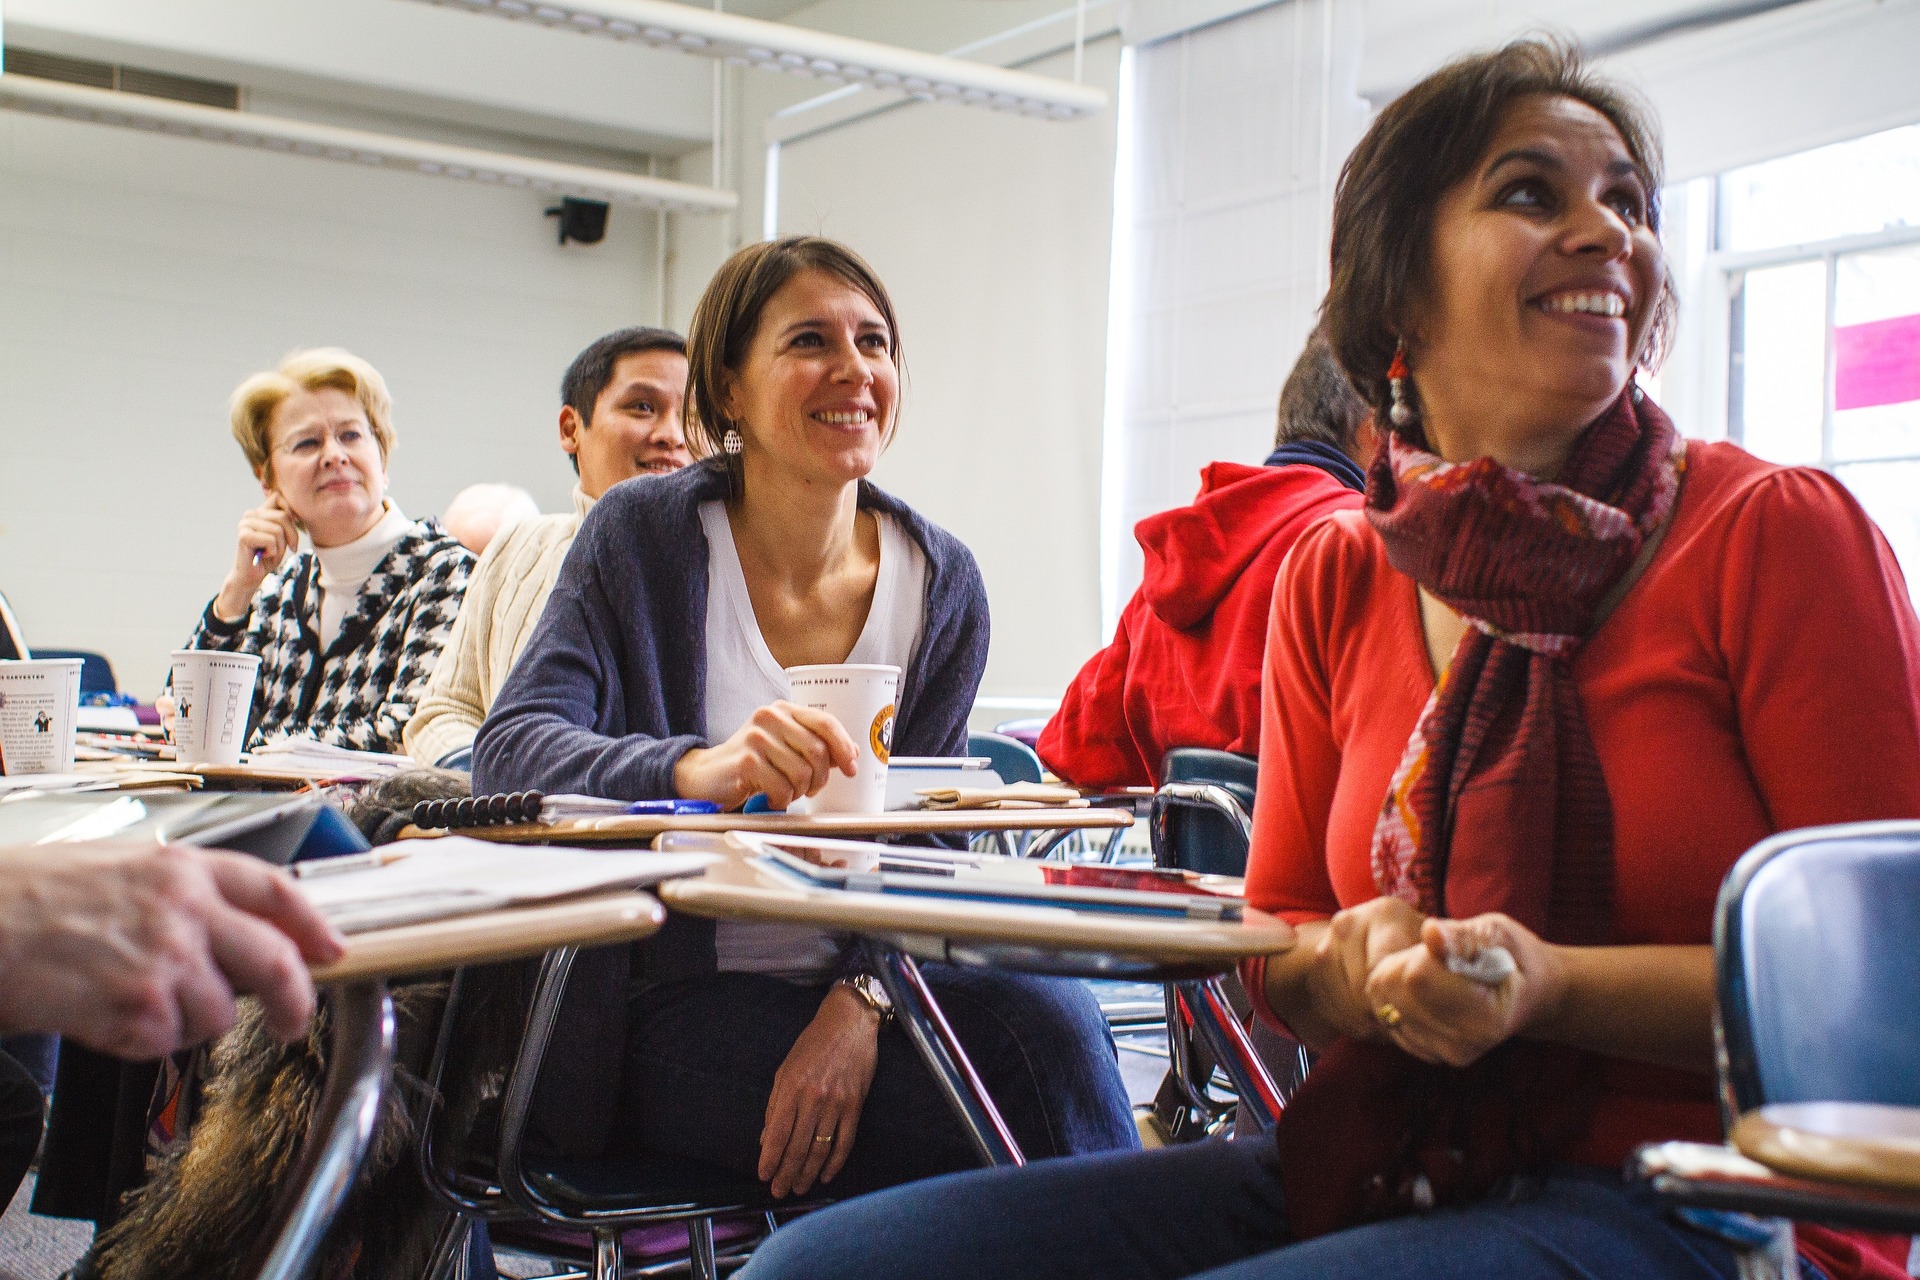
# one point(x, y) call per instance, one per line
point(742, 677)
point(345, 569)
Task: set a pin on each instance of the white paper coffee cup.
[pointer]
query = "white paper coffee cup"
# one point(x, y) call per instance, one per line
point(39, 704)
point(861, 697)
point(213, 701)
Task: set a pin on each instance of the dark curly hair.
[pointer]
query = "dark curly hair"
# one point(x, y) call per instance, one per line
point(1428, 139)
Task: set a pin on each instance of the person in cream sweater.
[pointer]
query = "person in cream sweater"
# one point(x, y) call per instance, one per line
point(620, 418)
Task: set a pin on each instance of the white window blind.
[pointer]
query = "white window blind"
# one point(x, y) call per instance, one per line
point(1235, 136)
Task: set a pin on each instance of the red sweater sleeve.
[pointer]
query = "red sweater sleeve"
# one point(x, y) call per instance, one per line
point(1088, 741)
point(1823, 654)
point(1299, 758)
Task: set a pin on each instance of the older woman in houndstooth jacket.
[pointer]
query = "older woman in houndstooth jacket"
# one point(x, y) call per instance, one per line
point(349, 631)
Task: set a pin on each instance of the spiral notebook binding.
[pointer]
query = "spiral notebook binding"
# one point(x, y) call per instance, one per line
point(498, 810)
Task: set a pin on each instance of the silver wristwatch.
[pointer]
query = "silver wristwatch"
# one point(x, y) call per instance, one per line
point(871, 993)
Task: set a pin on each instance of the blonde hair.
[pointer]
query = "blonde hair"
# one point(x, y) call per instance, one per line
point(254, 401)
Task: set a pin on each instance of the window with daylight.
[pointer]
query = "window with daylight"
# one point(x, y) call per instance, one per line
point(1822, 255)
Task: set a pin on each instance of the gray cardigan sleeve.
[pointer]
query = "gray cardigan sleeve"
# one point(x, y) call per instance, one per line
point(561, 722)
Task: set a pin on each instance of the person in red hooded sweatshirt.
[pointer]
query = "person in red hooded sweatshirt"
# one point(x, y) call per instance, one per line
point(1184, 666)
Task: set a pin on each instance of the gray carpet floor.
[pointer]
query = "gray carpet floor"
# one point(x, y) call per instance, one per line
point(37, 1248)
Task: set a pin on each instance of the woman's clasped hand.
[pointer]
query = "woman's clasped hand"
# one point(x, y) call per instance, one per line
point(785, 750)
point(1441, 1016)
point(1379, 971)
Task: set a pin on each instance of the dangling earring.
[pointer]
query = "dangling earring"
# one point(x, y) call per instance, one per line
point(731, 444)
point(1401, 413)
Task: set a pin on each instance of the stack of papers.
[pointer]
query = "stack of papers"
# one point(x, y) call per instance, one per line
point(416, 880)
point(131, 778)
point(310, 755)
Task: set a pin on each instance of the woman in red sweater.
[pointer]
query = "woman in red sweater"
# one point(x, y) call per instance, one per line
point(1522, 713)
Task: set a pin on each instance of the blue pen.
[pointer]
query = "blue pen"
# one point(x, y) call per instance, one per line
point(673, 807)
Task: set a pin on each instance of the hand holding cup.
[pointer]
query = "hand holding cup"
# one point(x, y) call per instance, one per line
point(783, 749)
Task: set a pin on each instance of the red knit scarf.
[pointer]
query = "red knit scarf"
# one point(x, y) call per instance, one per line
point(1498, 804)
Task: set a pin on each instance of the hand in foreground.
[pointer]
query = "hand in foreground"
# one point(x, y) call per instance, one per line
point(1441, 1016)
point(1355, 941)
point(783, 749)
point(818, 1093)
point(267, 534)
point(139, 949)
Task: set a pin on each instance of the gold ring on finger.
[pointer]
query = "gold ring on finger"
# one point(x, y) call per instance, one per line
point(822, 1137)
point(1388, 1015)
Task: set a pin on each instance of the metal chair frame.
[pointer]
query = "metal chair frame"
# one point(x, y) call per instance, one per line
point(340, 1133)
point(1204, 1008)
point(515, 1194)
point(607, 1226)
point(472, 1200)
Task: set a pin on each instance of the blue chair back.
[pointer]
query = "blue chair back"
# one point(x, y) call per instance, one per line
point(96, 673)
point(1013, 760)
point(1195, 838)
point(1027, 730)
point(1817, 948)
point(13, 645)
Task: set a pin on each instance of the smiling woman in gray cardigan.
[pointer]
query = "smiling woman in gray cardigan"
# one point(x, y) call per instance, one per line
point(655, 672)
point(611, 689)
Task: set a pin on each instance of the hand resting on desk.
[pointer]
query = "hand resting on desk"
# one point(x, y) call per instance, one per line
point(140, 949)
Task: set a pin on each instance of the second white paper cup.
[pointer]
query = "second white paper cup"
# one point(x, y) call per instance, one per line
point(39, 705)
point(213, 700)
point(861, 697)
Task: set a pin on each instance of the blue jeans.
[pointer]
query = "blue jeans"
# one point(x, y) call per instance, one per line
point(1214, 1210)
point(702, 1053)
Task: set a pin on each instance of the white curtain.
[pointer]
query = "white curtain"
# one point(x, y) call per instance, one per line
point(1235, 133)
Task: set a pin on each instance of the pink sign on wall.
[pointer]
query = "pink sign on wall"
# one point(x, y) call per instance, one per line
point(1876, 363)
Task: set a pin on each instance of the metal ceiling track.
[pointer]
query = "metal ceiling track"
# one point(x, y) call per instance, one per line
point(776, 46)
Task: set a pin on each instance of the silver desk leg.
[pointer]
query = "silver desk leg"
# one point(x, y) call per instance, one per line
point(914, 1005)
point(336, 1145)
point(1214, 1019)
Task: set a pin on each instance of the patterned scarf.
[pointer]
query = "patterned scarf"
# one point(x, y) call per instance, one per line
point(1498, 804)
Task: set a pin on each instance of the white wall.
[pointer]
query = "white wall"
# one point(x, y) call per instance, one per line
point(1239, 130)
point(142, 277)
point(991, 233)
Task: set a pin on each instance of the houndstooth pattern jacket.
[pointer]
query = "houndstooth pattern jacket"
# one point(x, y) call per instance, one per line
point(362, 691)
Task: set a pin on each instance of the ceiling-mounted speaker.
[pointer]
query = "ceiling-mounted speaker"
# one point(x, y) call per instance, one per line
point(582, 220)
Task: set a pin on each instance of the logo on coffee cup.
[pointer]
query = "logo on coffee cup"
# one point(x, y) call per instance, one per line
point(43, 723)
point(881, 734)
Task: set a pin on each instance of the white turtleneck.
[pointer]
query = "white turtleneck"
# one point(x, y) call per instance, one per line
point(345, 569)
